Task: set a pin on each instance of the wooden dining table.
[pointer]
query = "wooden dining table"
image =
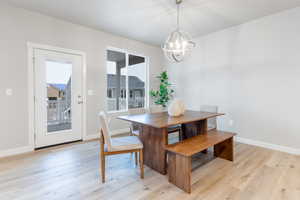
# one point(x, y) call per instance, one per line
point(153, 132)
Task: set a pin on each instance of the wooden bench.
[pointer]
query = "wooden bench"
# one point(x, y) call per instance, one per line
point(180, 154)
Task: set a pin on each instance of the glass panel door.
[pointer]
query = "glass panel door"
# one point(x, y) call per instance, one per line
point(58, 92)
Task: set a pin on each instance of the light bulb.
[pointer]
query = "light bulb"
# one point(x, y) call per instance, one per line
point(177, 45)
point(184, 43)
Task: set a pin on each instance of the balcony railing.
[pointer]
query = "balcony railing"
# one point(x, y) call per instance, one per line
point(137, 102)
point(59, 112)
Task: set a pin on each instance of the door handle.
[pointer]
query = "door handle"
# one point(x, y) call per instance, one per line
point(80, 101)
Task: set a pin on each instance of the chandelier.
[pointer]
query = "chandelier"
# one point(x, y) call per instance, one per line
point(179, 44)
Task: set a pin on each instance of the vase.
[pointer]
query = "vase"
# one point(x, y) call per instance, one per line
point(176, 108)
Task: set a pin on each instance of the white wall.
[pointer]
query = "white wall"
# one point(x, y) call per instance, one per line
point(252, 71)
point(17, 27)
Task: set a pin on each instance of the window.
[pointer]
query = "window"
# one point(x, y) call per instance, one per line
point(125, 73)
point(123, 93)
point(131, 94)
point(109, 93)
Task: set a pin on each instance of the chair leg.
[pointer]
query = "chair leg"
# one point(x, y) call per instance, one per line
point(103, 168)
point(142, 163)
point(131, 134)
point(136, 158)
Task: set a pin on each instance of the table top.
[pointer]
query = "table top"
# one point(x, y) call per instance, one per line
point(163, 120)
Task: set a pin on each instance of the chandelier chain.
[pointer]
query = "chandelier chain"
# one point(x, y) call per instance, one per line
point(178, 22)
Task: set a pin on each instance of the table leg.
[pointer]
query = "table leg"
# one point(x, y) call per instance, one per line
point(154, 141)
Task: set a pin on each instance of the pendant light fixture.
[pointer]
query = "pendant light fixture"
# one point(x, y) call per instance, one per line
point(179, 44)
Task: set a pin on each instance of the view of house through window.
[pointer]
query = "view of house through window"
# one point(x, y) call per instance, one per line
point(136, 81)
point(126, 78)
point(58, 96)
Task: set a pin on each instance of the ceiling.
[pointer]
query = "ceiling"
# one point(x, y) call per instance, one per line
point(151, 21)
point(119, 57)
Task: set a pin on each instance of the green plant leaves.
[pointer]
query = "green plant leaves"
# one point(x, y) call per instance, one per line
point(164, 94)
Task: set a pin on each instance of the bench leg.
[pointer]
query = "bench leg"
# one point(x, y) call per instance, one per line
point(224, 149)
point(179, 171)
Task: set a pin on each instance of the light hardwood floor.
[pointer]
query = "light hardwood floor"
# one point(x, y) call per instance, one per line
point(72, 172)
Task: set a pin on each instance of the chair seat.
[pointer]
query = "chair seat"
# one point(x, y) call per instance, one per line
point(174, 128)
point(210, 127)
point(125, 143)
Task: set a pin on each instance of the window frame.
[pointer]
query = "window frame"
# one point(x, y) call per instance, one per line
point(147, 82)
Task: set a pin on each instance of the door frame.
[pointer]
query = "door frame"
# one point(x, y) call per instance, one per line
point(31, 87)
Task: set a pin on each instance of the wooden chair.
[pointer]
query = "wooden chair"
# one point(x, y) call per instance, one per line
point(212, 122)
point(109, 146)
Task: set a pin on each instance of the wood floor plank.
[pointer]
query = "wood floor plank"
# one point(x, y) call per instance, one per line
point(71, 172)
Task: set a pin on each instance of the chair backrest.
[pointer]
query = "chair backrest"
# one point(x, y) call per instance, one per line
point(137, 111)
point(105, 130)
point(155, 109)
point(212, 122)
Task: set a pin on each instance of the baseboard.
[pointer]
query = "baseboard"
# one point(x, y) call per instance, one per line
point(268, 145)
point(113, 132)
point(16, 151)
point(91, 137)
point(26, 149)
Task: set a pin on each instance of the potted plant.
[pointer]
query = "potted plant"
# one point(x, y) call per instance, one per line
point(164, 94)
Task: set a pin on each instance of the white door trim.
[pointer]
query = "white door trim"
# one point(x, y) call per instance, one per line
point(31, 85)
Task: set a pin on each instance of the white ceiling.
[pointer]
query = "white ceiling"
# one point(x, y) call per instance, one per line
point(150, 21)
